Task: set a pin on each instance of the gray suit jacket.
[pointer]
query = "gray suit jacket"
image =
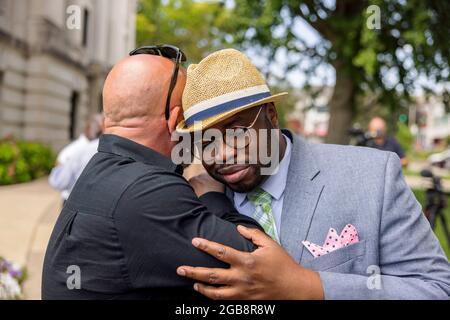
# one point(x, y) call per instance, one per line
point(329, 186)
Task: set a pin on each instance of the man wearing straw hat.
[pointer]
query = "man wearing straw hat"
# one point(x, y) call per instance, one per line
point(341, 223)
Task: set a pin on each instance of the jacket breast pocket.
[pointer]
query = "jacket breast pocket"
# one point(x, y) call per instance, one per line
point(342, 260)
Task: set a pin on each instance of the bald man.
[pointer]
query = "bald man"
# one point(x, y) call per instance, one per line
point(378, 129)
point(130, 218)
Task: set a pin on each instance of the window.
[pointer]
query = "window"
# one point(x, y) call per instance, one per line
point(100, 103)
point(2, 75)
point(2, 7)
point(1, 116)
point(85, 27)
point(73, 114)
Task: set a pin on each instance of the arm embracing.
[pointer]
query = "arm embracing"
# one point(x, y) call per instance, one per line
point(164, 216)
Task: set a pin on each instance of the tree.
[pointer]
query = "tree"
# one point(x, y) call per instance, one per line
point(187, 24)
point(378, 48)
point(197, 27)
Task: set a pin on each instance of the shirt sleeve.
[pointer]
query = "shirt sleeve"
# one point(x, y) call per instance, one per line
point(156, 219)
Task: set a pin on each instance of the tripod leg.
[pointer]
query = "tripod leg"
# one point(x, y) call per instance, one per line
point(445, 227)
point(432, 216)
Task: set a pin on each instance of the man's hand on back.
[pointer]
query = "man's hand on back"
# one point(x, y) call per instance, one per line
point(266, 273)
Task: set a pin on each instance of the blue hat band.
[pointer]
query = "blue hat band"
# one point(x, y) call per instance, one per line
point(224, 107)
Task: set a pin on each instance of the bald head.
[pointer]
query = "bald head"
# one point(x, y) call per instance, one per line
point(137, 87)
point(134, 101)
point(377, 126)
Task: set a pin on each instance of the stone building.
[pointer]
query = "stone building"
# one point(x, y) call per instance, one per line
point(54, 56)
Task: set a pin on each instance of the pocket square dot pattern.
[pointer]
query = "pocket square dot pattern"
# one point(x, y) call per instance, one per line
point(333, 241)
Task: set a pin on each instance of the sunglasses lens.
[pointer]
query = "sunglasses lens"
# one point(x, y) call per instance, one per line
point(166, 51)
point(169, 52)
point(151, 51)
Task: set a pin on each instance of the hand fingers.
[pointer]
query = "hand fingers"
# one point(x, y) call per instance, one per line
point(258, 237)
point(216, 293)
point(207, 275)
point(219, 251)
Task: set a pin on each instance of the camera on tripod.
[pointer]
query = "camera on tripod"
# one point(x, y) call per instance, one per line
point(362, 138)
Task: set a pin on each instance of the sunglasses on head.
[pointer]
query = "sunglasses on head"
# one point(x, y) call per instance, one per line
point(170, 52)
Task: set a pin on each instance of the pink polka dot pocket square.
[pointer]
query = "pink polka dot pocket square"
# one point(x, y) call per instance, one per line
point(333, 241)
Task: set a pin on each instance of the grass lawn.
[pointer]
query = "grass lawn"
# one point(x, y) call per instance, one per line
point(420, 195)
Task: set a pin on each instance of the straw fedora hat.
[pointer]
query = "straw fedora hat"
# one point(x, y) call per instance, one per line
point(221, 85)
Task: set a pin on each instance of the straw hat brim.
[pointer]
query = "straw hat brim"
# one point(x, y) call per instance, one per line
point(204, 124)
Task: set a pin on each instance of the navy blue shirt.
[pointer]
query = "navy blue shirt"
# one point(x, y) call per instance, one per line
point(390, 144)
point(128, 224)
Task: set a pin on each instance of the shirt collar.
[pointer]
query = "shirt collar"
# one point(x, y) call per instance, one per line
point(275, 184)
point(114, 144)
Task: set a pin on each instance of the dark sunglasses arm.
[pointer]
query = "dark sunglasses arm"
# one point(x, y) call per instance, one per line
point(173, 82)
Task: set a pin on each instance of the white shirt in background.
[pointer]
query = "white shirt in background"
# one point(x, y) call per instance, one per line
point(64, 176)
point(73, 148)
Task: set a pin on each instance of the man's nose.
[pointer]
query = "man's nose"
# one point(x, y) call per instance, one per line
point(225, 153)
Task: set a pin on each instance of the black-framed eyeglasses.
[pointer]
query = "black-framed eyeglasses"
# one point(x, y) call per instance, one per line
point(238, 137)
point(170, 52)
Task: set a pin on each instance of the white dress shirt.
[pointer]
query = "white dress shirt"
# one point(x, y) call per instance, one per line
point(274, 185)
point(72, 149)
point(64, 176)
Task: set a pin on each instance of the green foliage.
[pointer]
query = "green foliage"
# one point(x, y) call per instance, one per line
point(404, 137)
point(381, 63)
point(190, 25)
point(22, 161)
point(413, 40)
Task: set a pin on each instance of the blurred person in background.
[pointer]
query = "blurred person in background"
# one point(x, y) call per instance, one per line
point(378, 129)
point(74, 157)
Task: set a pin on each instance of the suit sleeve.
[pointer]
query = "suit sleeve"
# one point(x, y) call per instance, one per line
point(412, 262)
point(164, 216)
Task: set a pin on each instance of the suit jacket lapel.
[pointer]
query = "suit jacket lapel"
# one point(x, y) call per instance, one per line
point(301, 195)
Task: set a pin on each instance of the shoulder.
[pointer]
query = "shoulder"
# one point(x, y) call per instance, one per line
point(353, 156)
point(394, 143)
point(155, 194)
point(160, 178)
point(154, 184)
point(337, 155)
point(393, 140)
point(358, 165)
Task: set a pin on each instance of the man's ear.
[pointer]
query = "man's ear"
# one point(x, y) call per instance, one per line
point(272, 115)
point(174, 119)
